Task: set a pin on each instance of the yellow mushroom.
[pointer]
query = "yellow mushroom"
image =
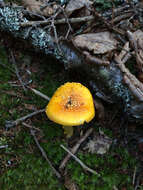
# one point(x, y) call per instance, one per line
point(71, 105)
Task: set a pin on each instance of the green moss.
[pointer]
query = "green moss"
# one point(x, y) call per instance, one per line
point(32, 174)
point(21, 165)
point(108, 166)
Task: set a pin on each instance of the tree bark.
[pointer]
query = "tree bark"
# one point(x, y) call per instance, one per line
point(106, 81)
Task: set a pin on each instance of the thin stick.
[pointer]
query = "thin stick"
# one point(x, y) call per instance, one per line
point(30, 127)
point(94, 60)
point(135, 86)
point(79, 161)
point(58, 21)
point(3, 146)
point(44, 155)
point(37, 92)
point(108, 24)
point(67, 20)
point(122, 17)
point(56, 36)
point(115, 188)
point(75, 148)
point(134, 175)
point(136, 91)
point(10, 124)
point(17, 72)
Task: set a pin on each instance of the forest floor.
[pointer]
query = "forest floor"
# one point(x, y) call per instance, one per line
point(22, 166)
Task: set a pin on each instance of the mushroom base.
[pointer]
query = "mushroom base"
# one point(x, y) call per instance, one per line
point(68, 131)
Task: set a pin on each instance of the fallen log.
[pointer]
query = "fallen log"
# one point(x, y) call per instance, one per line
point(108, 82)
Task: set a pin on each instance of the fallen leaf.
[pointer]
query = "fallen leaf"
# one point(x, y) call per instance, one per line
point(74, 5)
point(138, 37)
point(35, 6)
point(98, 43)
point(100, 144)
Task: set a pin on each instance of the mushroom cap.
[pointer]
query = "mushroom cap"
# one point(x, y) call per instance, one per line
point(71, 105)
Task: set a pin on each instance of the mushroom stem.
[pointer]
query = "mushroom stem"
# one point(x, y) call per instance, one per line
point(68, 131)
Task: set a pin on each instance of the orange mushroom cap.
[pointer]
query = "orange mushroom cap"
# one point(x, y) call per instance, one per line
point(71, 105)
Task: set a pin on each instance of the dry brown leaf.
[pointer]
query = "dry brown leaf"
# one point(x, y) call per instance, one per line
point(136, 40)
point(100, 144)
point(138, 35)
point(98, 43)
point(36, 5)
point(74, 5)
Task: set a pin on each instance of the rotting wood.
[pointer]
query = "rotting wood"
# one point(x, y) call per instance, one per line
point(105, 81)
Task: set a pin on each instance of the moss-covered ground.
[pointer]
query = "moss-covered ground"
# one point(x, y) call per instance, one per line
point(21, 165)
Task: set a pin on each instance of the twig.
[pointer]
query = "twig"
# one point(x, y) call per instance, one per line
point(122, 17)
point(44, 155)
point(121, 59)
point(30, 127)
point(132, 40)
point(75, 148)
point(136, 91)
point(108, 24)
point(58, 21)
point(135, 86)
point(9, 124)
point(138, 50)
point(56, 36)
point(137, 183)
point(124, 55)
point(17, 72)
point(126, 72)
point(119, 10)
point(93, 59)
point(3, 146)
point(37, 92)
point(13, 83)
point(134, 175)
point(115, 188)
point(67, 20)
point(85, 167)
